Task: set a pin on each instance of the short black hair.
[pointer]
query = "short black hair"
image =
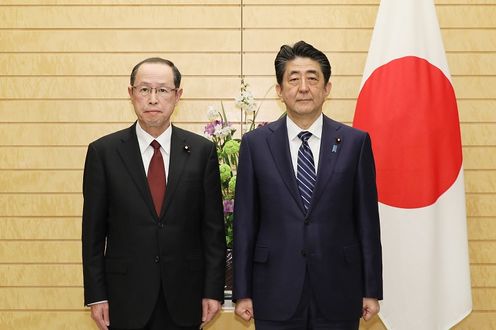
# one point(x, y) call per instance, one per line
point(175, 70)
point(301, 49)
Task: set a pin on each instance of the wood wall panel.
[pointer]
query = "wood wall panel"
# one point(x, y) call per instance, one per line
point(64, 298)
point(40, 228)
point(318, 16)
point(479, 157)
point(478, 134)
point(40, 251)
point(55, 134)
point(124, 2)
point(45, 157)
point(42, 319)
point(120, 40)
point(484, 299)
point(466, 16)
point(471, 64)
point(480, 181)
point(115, 64)
point(482, 252)
point(13, 181)
point(64, 72)
point(337, 40)
point(483, 275)
point(481, 205)
point(343, 15)
point(358, 39)
point(41, 275)
point(477, 111)
point(119, 17)
point(477, 40)
point(482, 228)
point(44, 205)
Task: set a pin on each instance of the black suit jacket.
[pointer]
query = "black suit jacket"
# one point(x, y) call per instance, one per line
point(128, 251)
point(337, 242)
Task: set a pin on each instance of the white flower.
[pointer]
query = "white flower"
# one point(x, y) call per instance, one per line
point(223, 132)
point(218, 130)
point(246, 101)
point(212, 113)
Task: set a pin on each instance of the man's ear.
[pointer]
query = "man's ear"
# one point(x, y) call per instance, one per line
point(179, 93)
point(278, 90)
point(130, 91)
point(328, 88)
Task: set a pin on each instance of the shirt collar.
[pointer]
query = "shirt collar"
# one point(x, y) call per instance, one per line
point(315, 128)
point(144, 139)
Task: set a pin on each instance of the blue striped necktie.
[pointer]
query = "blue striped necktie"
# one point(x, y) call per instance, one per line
point(305, 174)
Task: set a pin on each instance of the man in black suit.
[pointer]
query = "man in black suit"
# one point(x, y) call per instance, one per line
point(153, 232)
point(307, 249)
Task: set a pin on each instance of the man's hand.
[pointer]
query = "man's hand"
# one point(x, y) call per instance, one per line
point(210, 307)
point(370, 308)
point(100, 314)
point(244, 309)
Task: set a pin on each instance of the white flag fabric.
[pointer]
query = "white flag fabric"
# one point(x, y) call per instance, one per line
point(408, 105)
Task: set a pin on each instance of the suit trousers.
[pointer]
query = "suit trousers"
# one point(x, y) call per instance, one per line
point(307, 316)
point(160, 318)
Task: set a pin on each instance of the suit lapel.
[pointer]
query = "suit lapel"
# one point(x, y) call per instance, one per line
point(329, 152)
point(178, 157)
point(279, 148)
point(130, 154)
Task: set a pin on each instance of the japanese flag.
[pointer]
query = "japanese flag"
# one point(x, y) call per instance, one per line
point(407, 104)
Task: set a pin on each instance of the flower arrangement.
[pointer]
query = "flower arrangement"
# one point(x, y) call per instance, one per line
point(221, 132)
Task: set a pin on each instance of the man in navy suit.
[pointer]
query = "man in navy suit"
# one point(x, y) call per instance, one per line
point(307, 250)
point(153, 229)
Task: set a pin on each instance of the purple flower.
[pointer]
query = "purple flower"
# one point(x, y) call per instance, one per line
point(228, 205)
point(210, 128)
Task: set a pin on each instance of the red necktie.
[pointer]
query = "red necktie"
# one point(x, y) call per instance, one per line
point(156, 177)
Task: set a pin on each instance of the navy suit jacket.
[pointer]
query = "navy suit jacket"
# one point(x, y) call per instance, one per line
point(129, 251)
point(337, 242)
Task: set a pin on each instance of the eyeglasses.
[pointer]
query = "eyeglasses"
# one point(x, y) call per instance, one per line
point(162, 91)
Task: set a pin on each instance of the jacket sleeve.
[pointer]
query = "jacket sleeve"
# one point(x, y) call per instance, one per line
point(367, 216)
point(94, 227)
point(213, 232)
point(245, 223)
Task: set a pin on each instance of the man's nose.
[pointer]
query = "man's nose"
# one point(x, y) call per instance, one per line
point(153, 96)
point(303, 85)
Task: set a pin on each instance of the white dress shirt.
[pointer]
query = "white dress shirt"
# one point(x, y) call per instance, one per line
point(144, 140)
point(314, 141)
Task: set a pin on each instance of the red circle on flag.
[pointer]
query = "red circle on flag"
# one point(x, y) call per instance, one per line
point(408, 106)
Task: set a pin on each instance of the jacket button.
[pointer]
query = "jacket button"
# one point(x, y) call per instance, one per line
point(161, 225)
point(303, 253)
point(157, 259)
point(307, 221)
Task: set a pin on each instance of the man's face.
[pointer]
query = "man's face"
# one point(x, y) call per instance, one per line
point(303, 89)
point(154, 110)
